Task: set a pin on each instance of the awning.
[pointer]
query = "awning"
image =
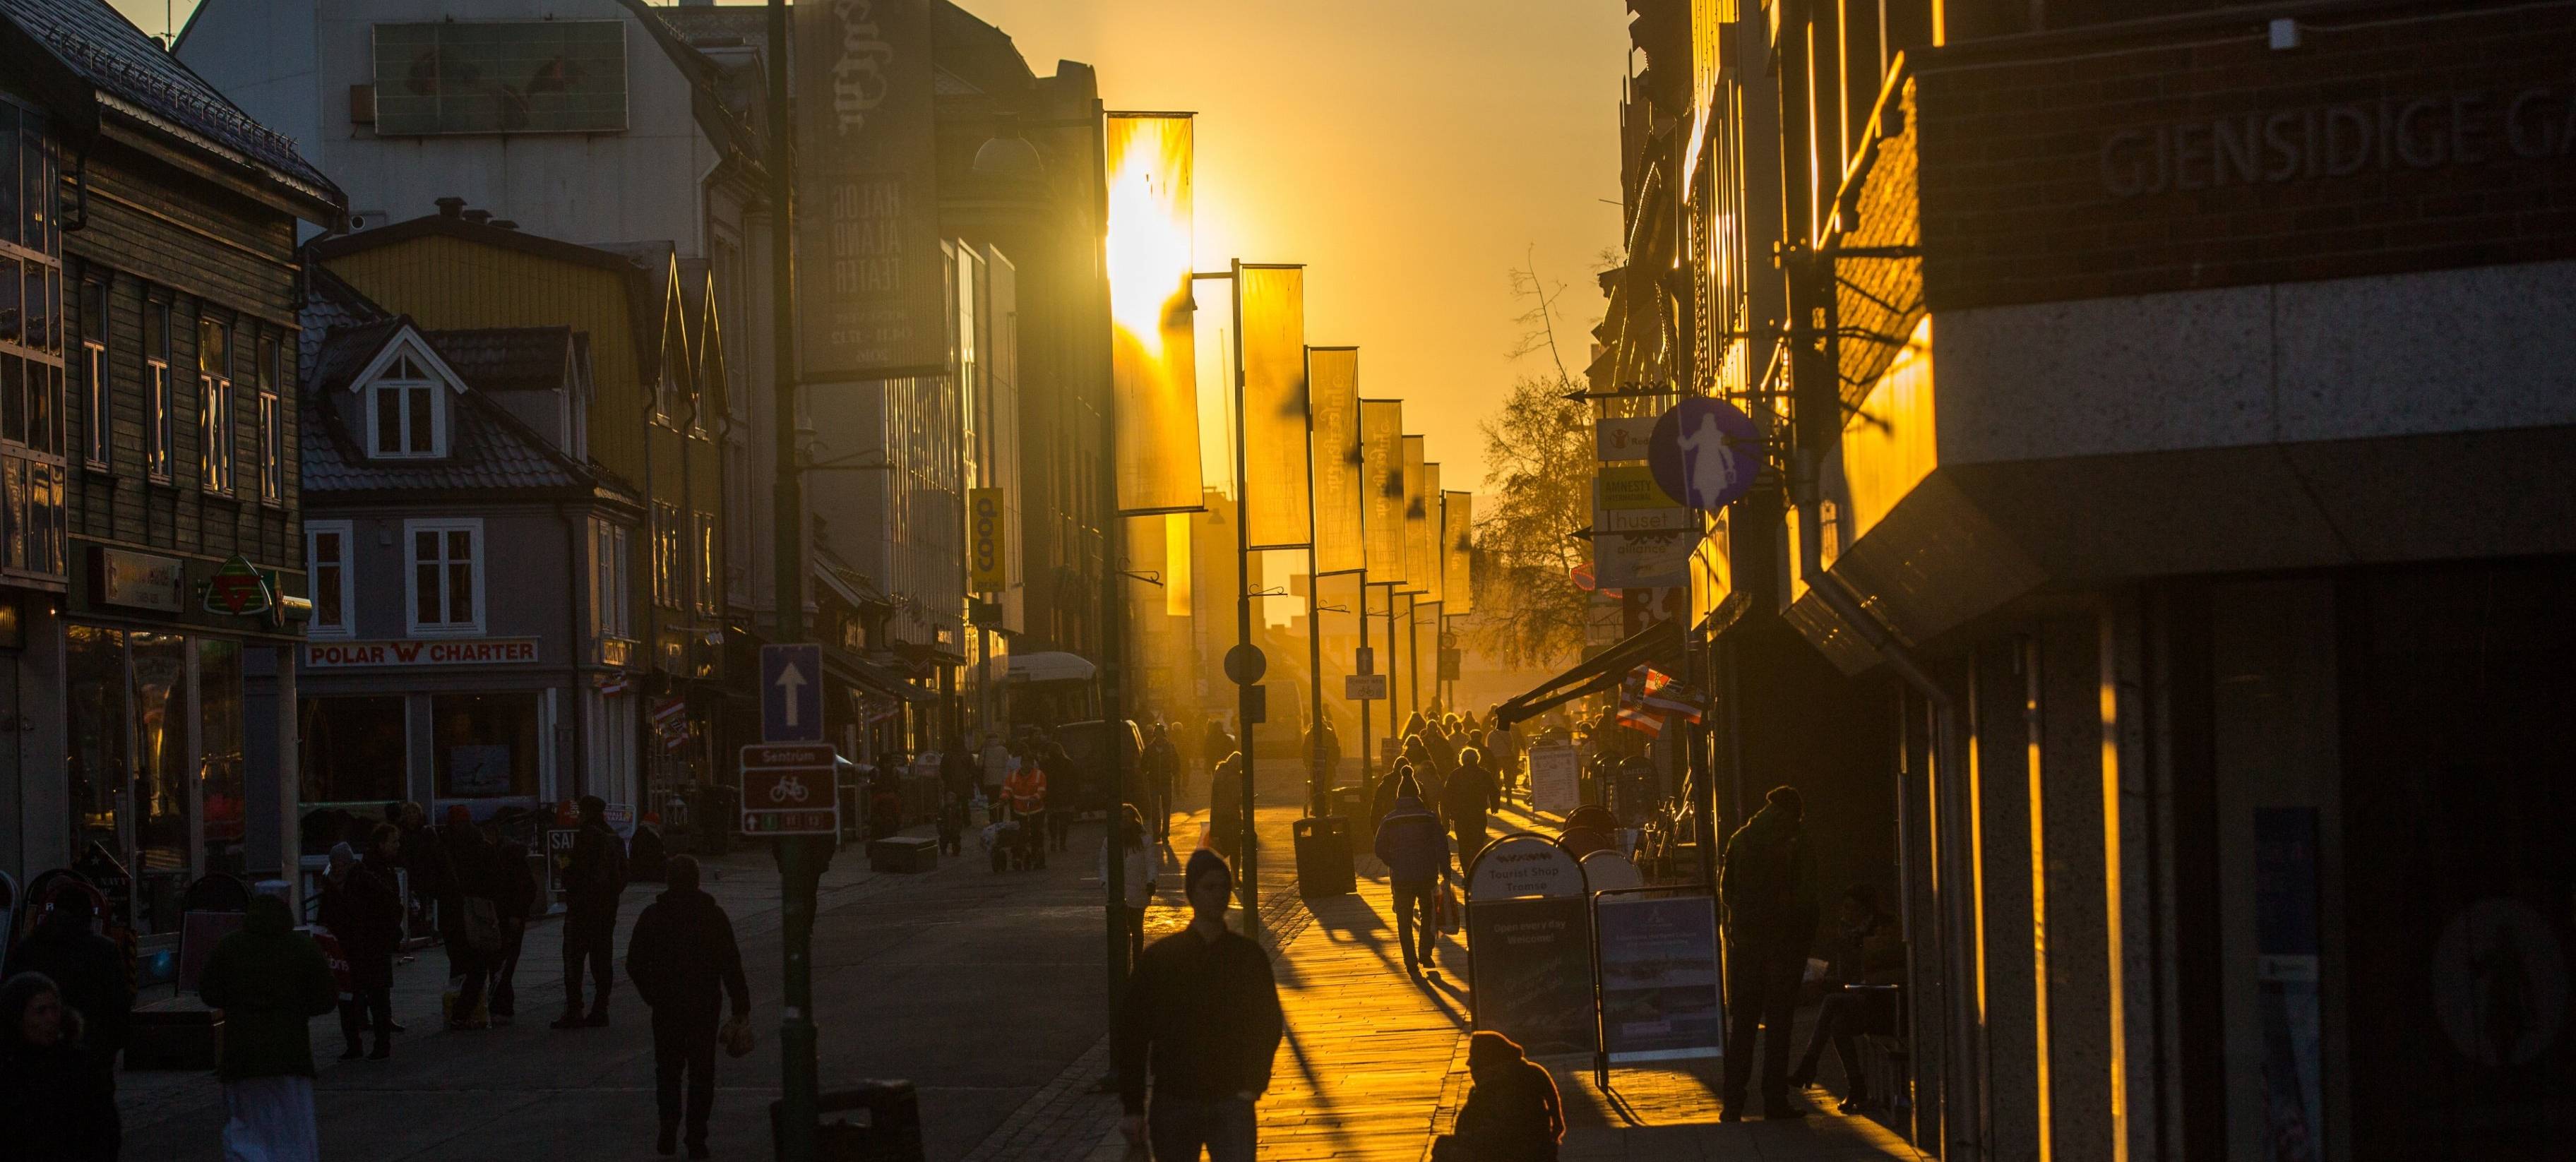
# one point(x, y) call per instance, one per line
point(1050, 666)
point(871, 677)
point(1659, 644)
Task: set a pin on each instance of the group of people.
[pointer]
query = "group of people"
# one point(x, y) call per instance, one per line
point(1031, 812)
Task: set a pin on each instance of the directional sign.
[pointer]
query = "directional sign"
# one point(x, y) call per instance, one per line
point(788, 790)
point(791, 694)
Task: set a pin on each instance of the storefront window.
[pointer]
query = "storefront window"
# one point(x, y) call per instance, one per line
point(95, 664)
point(161, 785)
point(219, 744)
point(487, 745)
point(355, 750)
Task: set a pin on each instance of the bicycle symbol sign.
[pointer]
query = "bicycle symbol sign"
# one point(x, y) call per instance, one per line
point(788, 790)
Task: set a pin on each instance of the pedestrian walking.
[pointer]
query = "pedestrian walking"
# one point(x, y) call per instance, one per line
point(594, 878)
point(1513, 1111)
point(1467, 801)
point(1061, 782)
point(515, 904)
point(1162, 763)
point(469, 917)
point(1215, 750)
point(1225, 807)
point(56, 1105)
point(1139, 856)
point(88, 969)
point(1201, 1015)
point(1415, 849)
point(1767, 887)
point(1026, 792)
point(683, 961)
point(952, 822)
point(339, 913)
point(270, 981)
point(363, 911)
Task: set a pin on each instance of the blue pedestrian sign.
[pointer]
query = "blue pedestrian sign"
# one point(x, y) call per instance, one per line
point(791, 693)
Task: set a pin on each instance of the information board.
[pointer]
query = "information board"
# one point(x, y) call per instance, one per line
point(1659, 977)
point(1556, 778)
point(787, 789)
point(1530, 972)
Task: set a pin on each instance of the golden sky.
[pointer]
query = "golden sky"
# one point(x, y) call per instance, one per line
point(1409, 152)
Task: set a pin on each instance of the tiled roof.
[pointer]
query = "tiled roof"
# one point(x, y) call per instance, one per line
point(487, 450)
point(507, 358)
point(330, 304)
point(109, 52)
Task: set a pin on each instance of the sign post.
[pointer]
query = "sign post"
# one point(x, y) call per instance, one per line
point(791, 694)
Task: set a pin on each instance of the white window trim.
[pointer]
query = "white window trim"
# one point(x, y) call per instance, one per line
point(375, 393)
point(348, 626)
point(411, 577)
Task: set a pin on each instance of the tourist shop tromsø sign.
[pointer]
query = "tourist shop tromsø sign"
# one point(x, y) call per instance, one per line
point(486, 651)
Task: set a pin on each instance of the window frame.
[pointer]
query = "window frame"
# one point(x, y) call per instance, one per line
point(611, 580)
point(390, 381)
point(216, 442)
point(99, 437)
point(267, 373)
point(161, 430)
point(707, 585)
point(346, 564)
point(667, 570)
point(476, 546)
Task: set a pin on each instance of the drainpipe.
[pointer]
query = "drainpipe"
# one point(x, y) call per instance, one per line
point(1963, 1069)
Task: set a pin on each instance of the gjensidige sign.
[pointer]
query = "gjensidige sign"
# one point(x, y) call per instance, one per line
point(489, 651)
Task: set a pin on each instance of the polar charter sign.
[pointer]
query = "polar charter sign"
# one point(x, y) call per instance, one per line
point(412, 655)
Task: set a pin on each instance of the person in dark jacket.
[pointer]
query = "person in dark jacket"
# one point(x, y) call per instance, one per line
point(1415, 849)
point(363, 909)
point(592, 882)
point(516, 903)
point(683, 961)
point(1513, 1114)
point(1467, 800)
point(420, 860)
point(1225, 807)
point(1766, 886)
point(88, 968)
point(55, 1104)
point(270, 981)
point(1202, 1012)
point(469, 878)
point(1216, 749)
point(1061, 784)
point(1162, 765)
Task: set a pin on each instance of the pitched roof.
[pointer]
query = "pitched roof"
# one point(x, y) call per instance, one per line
point(107, 51)
point(488, 450)
point(507, 358)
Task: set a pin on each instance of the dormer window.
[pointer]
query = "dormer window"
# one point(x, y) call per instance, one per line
point(404, 412)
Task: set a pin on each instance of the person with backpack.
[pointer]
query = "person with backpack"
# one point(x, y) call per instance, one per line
point(1767, 886)
point(1415, 849)
point(593, 881)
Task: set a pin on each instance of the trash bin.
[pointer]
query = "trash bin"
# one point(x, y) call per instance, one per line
point(888, 1130)
point(1324, 856)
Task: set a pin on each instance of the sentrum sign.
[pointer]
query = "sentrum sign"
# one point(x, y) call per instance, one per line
point(502, 651)
point(788, 789)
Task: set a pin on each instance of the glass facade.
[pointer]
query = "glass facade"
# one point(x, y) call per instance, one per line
point(486, 745)
point(354, 750)
point(32, 336)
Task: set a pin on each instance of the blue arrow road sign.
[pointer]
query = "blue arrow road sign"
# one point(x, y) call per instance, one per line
point(791, 693)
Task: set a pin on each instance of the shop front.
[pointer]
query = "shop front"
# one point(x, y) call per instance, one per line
point(472, 723)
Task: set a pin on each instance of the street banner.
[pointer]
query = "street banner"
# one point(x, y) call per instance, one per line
point(1270, 315)
point(1333, 379)
point(1659, 977)
point(1382, 478)
point(1434, 502)
point(987, 542)
point(1457, 538)
point(1177, 594)
point(1417, 522)
point(1556, 773)
point(869, 276)
point(1153, 357)
point(1529, 967)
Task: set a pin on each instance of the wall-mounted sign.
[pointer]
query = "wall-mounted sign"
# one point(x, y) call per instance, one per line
point(1631, 486)
point(237, 589)
point(487, 651)
point(140, 580)
point(988, 568)
point(1623, 438)
point(869, 272)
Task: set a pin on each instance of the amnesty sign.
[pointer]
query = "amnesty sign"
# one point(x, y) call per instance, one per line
point(869, 278)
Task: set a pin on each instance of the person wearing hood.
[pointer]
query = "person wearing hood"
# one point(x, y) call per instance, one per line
point(270, 981)
point(363, 913)
point(1514, 1113)
point(683, 961)
point(1162, 765)
point(1767, 888)
point(1415, 849)
point(89, 969)
point(55, 1105)
point(1202, 1013)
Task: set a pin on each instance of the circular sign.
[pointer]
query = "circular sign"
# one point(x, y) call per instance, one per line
point(1705, 453)
point(1523, 865)
point(1607, 871)
point(2499, 983)
point(1244, 664)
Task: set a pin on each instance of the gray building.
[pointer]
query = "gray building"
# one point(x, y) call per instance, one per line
point(464, 553)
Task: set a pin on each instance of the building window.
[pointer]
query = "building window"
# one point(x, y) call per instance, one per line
point(403, 412)
point(93, 372)
point(611, 591)
point(709, 590)
point(272, 453)
point(667, 570)
point(355, 750)
point(326, 559)
point(487, 744)
point(214, 406)
point(446, 560)
point(160, 425)
point(31, 284)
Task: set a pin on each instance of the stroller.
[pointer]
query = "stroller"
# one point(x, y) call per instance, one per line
point(1002, 844)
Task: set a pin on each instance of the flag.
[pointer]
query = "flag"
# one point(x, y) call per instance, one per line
point(1333, 386)
point(670, 711)
point(1153, 358)
point(1270, 355)
point(1661, 691)
point(1417, 521)
point(1382, 478)
point(1457, 515)
point(1634, 712)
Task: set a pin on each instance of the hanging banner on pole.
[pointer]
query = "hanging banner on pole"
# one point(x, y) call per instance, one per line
point(1153, 358)
point(869, 277)
point(1417, 521)
point(1437, 591)
point(1382, 480)
point(1457, 537)
point(1333, 386)
point(1270, 306)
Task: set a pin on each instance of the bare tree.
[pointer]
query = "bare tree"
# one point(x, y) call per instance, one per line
point(1538, 485)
